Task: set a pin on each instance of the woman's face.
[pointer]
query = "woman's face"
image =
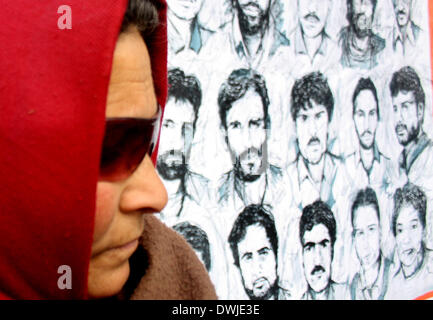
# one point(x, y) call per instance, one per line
point(121, 205)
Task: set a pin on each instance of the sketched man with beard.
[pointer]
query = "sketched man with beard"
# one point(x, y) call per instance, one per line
point(360, 46)
point(185, 188)
point(243, 107)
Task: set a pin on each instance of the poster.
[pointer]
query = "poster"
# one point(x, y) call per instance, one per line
point(296, 146)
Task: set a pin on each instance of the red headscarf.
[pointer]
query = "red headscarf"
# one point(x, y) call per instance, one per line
point(53, 89)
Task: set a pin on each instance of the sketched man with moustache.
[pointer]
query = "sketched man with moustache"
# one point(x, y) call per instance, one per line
point(317, 232)
point(187, 190)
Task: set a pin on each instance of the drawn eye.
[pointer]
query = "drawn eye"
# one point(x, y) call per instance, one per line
point(235, 125)
point(399, 230)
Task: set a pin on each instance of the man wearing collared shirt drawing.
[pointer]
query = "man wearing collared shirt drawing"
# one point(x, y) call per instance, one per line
point(368, 166)
point(312, 46)
point(406, 33)
point(415, 162)
point(318, 232)
point(185, 32)
point(371, 282)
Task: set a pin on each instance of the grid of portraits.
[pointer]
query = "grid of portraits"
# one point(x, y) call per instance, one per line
point(296, 146)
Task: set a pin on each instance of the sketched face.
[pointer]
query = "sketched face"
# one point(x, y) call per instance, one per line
point(252, 15)
point(407, 117)
point(246, 136)
point(362, 18)
point(312, 132)
point(365, 118)
point(176, 139)
point(257, 263)
point(409, 235)
point(313, 15)
point(366, 236)
point(317, 254)
point(402, 11)
point(185, 9)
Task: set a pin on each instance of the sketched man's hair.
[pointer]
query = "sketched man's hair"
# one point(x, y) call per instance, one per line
point(235, 88)
point(252, 215)
point(312, 87)
point(406, 80)
point(197, 239)
point(412, 195)
point(315, 214)
point(365, 84)
point(185, 88)
point(364, 198)
point(143, 14)
point(349, 15)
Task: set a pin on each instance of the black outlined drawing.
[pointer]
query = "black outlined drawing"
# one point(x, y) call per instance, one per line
point(251, 38)
point(314, 172)
point(405, 33)
point(368, 166)
point(371, 281)
point(317, 232)
point(415, 275)
point(311, 44)
point(185, 187)
point(359, 44)
point(243, 108)
point(254, 244)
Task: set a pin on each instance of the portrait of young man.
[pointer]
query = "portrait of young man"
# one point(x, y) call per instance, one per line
point(243, 109)
point(361, 47)
point(368, 166)
point(312, 46)
point(406, 33)
point(254, 245)
point(316, 173)
point(371, 281)
point(317, 233)
point(187, 190)
point(252, 38)
point(94, 216)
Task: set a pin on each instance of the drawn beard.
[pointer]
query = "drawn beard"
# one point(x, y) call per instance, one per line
point(362, 27)
point(412, 134)
point(252, 25)
point(171, 165)
point(249, 165)
point(266, 295)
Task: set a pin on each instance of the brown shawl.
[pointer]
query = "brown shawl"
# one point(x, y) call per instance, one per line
point(165, 267)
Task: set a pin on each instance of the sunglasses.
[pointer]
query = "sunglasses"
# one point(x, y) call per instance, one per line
point(126, 143)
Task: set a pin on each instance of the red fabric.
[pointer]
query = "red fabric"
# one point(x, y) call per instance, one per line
point(53, 88)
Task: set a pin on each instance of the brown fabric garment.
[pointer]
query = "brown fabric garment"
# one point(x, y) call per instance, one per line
point(172, 271)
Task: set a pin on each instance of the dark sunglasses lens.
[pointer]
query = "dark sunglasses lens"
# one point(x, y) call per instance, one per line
point(126, 143)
